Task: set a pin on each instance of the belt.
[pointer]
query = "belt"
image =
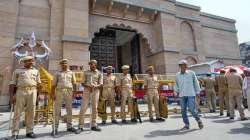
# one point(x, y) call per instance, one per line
point(127, 87)
point(64, 88)
point(108, 87)
point(27, 88)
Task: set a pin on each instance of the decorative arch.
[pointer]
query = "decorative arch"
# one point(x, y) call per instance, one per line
point(187, 37)
point(148, 49)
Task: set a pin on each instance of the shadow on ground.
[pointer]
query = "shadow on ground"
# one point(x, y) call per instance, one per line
point(243, 130)
point(158, 133)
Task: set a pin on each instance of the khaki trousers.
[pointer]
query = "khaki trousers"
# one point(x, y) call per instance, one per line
point(235, 98)
point(224, 98)
point(109, 95)
point(63, 95)
point(25, 99)
point(153, 98)
point(211, 99)
point(92, 98)
point(127, 95)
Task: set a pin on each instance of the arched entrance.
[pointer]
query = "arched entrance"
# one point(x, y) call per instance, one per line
point(117, 46)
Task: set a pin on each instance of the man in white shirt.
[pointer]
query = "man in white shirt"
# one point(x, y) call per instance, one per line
point(187, 86)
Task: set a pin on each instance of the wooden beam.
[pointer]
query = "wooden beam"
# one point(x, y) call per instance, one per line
point(125, 10)
point(140, 12)
point(111, 3)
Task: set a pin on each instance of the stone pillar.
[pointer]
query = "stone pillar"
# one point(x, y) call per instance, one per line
point(8, 14)
point(76, 32)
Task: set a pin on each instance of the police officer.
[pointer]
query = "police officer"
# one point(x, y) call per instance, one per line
point(234, 82)
point(27, 82)
point(108, 92)
point(124, 83)
point(151, 87)
point(63, 84)
point(92, 83)
point(220, 82)
point(209, 84)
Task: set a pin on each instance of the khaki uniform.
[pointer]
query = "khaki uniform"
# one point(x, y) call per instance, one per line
point(91, 77)
point(63, 83)
point(108, 92)
point(152, 84)
point(234, 82)
point(210, 93)
point(125, 82)
point(220, 81)
point(26, 81)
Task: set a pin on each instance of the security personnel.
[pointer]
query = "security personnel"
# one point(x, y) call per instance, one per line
point(63, 84)
point(234, 82)
point(92, 84)
point(220, 82)
point(124, 84)
point(108, 92)
point(151, 87)
point(27, 82)
point(209, 84)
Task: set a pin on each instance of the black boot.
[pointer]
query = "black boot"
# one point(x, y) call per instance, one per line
point(13, 137)
point(160, 119)
point(114, 121)
point(95, 129)
point(72, 129)
point(54, 132)
point(31, 135)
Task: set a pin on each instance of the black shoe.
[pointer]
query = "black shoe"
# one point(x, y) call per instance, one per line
point(228, 114)
point(186, 127)
point(80, 129)
point(54, 132)
point(31, 135)
point(151, 119)
point(160, 119)
point(114, 121)
point(221, 114)
point(124, 121)
point(13, 137)
point(243, 119)
point(72, 129)
point(232, 118)
point(103, 122)
point(200, 124)
point(95, 129)
point(213, 111)
point(133, 120)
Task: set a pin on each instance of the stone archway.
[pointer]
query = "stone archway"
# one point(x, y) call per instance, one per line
point(119, 44)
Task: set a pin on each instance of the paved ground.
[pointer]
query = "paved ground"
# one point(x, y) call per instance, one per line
point(216, 128)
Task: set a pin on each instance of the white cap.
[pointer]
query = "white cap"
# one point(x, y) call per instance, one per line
point(183, 61)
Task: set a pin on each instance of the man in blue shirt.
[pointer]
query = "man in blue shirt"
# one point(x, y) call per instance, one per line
point(187, 86)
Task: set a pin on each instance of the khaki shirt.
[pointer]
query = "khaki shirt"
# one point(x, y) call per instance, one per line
point(109, 81)
point(125, 81)
point(209, 83)
point(234, 81)
point(26, 77)
point(221, 82)
point(151, 82)
point(64, 79)
point(93, 77)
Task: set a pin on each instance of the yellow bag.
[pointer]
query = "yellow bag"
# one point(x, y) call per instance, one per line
point(163, 107)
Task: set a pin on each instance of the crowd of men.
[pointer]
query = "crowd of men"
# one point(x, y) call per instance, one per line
point(27, 83)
